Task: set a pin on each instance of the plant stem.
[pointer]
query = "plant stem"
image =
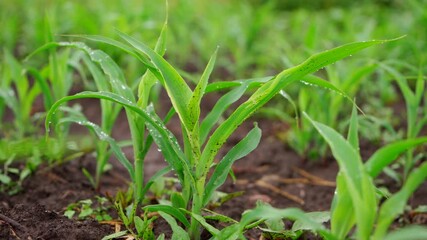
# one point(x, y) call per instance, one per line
point(197, 208)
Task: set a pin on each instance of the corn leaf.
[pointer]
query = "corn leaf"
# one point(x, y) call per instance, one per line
point(359, 184)
point(269, 90)
point(177, 89)
point(353, 137)
point(386, 155)
point(176, 213)
point(408, 233)
point(199, 91)
point(396, 204)
point(243, 148)
point(156, 176)
point(222, 104)
point(163, 137)
point(109, 67)
point(205, 224)
point(264, 212)
point(178, 233)
point(342, 210)
point(103, 137)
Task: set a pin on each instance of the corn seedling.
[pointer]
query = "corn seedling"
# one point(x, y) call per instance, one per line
point(355, 202)
point(416, 113)
point(193, 163)
point(88, 209)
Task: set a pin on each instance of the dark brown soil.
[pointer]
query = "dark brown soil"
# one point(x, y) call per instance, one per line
point(272, 174)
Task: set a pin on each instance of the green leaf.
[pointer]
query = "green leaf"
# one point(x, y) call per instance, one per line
point(69, 213)
point(396, 204)
point(353, 137)
point(218, 217)
point(115, 148)
point(264, 212)
point(169, 147)
point(178, 233)
point(161, 237)
point(139, 224)
point(153, 179)
point(109, 67)
point(389, 153)
point(243, 148)
point(408, 233)
point(177, 89)
point(86, 212)
point(319, 217)
point(358, 182)
point(342, 210)
point(313, 80)
point(163, 137)
point(115, 235)
point(44, 87)
point(176, 213)
point(199, 91)
point(269, 90)
point(5, 179)
point(222, 104)
point(177, 200)
point(205, 224)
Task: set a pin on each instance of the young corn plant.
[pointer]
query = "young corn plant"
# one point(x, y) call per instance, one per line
point(20, 87)
point(416, 111)
point(355, 202)
point(21, 100)
point(193, 161)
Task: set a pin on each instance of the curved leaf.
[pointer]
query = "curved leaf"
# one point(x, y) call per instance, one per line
point(178, 233)
point(386, 155)
point(115, 148)
point(359, 184)
point(243, 148)
point(396, 204)
point(265, 212)
point(164, 136)
point(269, 90)
point(176, 213)
point(177, 88)
point(408, 233)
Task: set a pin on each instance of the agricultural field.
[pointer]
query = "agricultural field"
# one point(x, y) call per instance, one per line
point(226, 119)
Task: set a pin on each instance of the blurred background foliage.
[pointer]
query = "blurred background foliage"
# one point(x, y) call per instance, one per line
point(254, 35)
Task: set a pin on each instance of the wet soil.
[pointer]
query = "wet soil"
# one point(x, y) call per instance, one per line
point(273, 173)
